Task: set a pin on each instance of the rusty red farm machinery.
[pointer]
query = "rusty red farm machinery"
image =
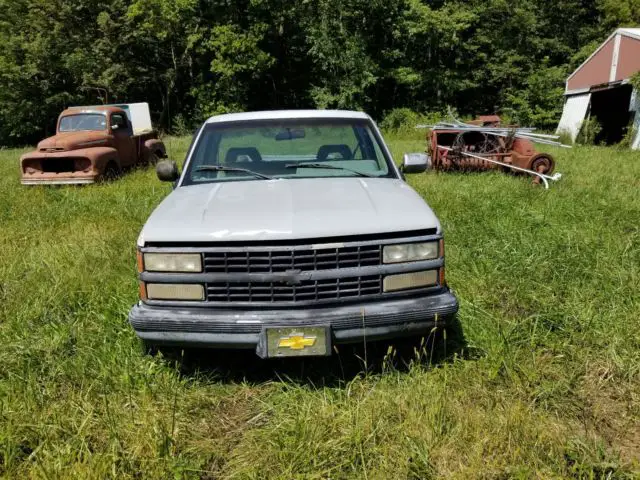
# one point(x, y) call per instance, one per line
point(484, 144)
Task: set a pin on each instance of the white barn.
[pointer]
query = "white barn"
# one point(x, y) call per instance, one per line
point(600, 88)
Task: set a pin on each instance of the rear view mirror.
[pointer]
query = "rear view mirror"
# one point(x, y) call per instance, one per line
point(415, 162)
point(167, 171)
point(290, 134)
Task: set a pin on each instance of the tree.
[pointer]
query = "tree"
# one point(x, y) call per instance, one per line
point(193, 58)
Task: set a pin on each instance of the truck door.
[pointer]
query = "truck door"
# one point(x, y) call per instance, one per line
point(122, 139)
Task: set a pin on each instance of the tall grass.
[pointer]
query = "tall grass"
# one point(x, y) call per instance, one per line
point(547, 383)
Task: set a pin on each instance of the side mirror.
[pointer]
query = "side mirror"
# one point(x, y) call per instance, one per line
point(167, 171)
point(415, 162)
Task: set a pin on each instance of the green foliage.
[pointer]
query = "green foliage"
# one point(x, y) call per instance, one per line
point(236, 61)
point(181, 126)
point(565, 137)
point(195, 58)
point(405, 120)
point(400, 119)
point(541, 102)
point(589, 131)
point(629, 137)
point(620, 13)
point(635, 82)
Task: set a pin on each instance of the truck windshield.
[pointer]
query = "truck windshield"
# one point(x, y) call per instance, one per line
point(83, 121)
point(287, 149)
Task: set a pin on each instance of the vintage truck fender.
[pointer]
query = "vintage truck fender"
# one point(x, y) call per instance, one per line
point(101, 157)
point(153, 146)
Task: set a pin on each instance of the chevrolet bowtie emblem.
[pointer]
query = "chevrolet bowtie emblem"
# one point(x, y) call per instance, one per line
point(296, 342)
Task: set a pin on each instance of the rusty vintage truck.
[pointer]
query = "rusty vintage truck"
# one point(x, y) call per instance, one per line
point(93, 143)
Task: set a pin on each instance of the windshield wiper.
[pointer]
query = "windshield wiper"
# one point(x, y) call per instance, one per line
point(220, 168)
point(329, 167)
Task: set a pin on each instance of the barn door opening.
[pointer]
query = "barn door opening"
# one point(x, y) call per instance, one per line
point(611, 108)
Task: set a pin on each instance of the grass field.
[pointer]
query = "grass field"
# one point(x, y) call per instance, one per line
point(542, 382)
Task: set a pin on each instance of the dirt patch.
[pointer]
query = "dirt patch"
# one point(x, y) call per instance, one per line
point(611, 409)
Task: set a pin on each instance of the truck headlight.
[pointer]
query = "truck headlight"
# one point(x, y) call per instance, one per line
point(407, 281)
point(173, 262)
point(174, 291)
point(410, 252)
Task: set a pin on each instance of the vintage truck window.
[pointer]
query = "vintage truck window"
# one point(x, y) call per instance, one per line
point(300, 149)
point(83, 122)
point(119, 120)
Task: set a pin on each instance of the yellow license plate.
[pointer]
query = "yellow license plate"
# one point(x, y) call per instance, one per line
point(297, 342)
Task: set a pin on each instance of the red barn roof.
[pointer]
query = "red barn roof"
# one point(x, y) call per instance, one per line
point(616, 60)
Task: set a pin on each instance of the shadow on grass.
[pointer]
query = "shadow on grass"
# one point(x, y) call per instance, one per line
point(348, 363)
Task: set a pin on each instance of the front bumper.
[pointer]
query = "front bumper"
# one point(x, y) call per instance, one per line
point(57, 179)
point(233, 328)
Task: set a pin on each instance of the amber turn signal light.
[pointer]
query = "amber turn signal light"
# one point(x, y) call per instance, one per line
point(143, 290)
point(140, 262)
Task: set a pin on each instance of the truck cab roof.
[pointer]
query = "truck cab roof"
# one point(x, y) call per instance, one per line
point(288, 115)
point(93, 109)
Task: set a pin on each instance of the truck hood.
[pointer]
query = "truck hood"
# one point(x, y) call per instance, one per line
point(285, 209)
point(74, 141)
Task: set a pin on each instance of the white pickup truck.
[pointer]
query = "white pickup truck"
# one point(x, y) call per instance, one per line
point(288, 232)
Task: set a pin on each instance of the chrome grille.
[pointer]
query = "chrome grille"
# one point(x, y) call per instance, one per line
point(270, 261)
point(307, 290)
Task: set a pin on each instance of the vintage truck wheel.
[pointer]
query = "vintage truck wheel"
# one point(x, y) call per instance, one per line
point(152, 159)
point(111, 172)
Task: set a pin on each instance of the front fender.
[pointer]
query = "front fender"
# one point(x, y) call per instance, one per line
point(101, 156)
point(67, 167)
point(153, 145)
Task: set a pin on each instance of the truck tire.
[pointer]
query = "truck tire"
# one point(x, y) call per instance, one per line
point(111, 172)
point(153, 159)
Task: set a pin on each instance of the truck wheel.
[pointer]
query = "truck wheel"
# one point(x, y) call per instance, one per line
point(153, 159)
point(111, 172)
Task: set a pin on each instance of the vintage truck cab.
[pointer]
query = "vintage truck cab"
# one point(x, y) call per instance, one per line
point(91, 143)
point(288, 232)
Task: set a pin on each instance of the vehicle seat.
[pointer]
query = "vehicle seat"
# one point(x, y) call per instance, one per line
point(237, 157)
point(328, 150)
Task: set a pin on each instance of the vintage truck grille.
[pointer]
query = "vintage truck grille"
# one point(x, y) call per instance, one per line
point(270, 261)
point(307, 290)
point(52, 149)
